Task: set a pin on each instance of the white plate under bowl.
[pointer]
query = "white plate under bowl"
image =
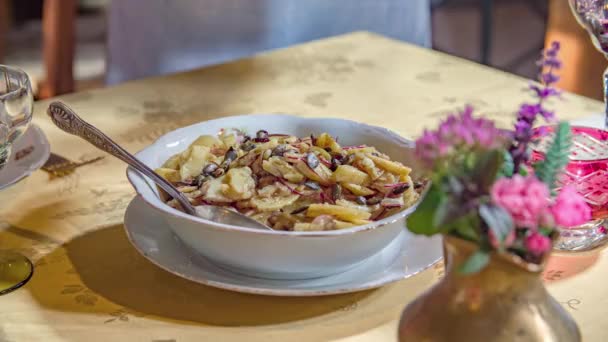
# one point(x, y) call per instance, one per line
point(30, 152)
point(404, 257)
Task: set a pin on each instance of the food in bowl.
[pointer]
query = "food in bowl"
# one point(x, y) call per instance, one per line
point(292, 183)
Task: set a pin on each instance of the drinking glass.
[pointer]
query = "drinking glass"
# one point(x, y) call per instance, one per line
point(587, 172)
point(16, 106)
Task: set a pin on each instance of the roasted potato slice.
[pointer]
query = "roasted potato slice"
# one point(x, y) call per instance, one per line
point(368, 166)
point(339, 212)
point(213, 191)
point(358, 190)
point(390, 166)
point(321, 152)
point(363, 149)
point(350, 174)
point(173, 162)
point(239, 185)
point(327, 141)
point(228, 140)
point(278, 167)
point(349, 204)
point(273, 203)
point(320, 174)
point(171, 175)
point(194, 161)
point(208, 141)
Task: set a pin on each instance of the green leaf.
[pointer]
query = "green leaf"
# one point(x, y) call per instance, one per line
point(422, 220)
point(467, 231)
point(556, 157)
point(486, 169)
point(497, 219)
point(546, 231)
point(475, 263)
point(507, 165)
point(523, 171)
point(455, 186)
point(443, 211)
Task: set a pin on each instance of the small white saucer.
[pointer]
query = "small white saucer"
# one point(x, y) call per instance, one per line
point(29, 153)
point(406, 256)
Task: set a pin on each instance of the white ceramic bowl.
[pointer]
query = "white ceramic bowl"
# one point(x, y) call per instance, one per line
point(276, 254)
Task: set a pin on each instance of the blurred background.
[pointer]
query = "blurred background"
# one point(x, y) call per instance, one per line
point(506, 34)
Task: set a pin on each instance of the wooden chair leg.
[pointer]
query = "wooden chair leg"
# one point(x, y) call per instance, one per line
point(583, 64)
point(487, 15)
point(5, 18)
point(58, 24)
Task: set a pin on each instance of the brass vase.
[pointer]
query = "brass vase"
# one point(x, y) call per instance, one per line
point(506, 301)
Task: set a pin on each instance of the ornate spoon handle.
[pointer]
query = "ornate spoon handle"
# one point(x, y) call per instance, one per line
point(66, 119)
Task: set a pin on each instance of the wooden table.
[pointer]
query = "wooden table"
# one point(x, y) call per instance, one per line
point(91, 285)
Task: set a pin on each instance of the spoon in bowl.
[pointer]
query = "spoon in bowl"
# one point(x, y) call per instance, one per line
point(67, 120)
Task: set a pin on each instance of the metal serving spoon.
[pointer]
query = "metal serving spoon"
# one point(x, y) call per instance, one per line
point(66, 119)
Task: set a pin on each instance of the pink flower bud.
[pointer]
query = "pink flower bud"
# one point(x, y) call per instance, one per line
point(570, 208)
point(537, 244)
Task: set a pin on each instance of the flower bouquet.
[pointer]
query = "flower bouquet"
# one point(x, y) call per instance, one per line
point(483, 189)
point(499, 216)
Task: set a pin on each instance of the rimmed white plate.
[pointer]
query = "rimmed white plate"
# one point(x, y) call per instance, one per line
point(406, 256)
point(30, 152)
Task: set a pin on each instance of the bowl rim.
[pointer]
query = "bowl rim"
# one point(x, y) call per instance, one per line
point(132, 173)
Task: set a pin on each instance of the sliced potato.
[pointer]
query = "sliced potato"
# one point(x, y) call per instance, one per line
point(273, 203)
point(194, 162)
point(325, 140)
point(187, 189)
point(342, 213)
point(278, 167)
point(368, 166)
point(239, 184)
point(261, 148)
point(321, 174)
point(349, 204)
point(342, 224)
point(267, 191)
point(212, 191)
point(228, 140)
point(350, 174)
point(390, 166)
point(171, 175)
point(365, 149)
point(357, 189)
point(208, 141)
point(321, 152)
point(410, 197)
point(361, 222)
point(173, 162)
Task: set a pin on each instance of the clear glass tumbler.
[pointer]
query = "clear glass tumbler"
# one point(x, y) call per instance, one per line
point(587, 171)
point(16, 107)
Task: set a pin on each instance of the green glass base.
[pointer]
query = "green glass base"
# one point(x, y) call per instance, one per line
point(15, 271)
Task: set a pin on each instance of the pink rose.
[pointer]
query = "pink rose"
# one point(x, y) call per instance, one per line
point(537, 244)
point(570, 208)
point(525, 198)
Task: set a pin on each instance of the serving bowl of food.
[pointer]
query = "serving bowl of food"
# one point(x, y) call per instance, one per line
point(335, 192)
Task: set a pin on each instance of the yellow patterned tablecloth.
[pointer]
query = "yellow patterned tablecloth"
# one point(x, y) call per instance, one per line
point(91, 285)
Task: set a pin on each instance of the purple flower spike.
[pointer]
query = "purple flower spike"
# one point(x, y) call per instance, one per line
point(526, 117)
point(550, 78)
